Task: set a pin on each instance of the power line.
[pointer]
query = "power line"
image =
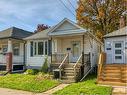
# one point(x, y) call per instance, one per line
point(71, 4)
point(67, 8)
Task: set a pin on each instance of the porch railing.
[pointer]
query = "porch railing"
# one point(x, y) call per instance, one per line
point(64, 62)
point(101, 62)
point(79, 61)
point(58, 58)
point(84, 59)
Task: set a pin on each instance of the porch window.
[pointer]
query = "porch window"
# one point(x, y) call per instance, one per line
point(4, 48)
point(40, 48)
point(46, 48)
point(16, 49)
point(31, 48)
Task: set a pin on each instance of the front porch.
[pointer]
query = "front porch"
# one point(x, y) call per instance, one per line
point(16, 48)
point(71, 57)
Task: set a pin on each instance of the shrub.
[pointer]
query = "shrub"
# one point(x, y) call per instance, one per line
point(32, 71)
point(45, 66)
point(43, 76)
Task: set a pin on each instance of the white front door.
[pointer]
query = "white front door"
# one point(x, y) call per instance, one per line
point(76, 51)
point(118, 52)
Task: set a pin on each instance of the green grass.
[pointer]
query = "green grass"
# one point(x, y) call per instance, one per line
point(27, 82)
point(87, 87)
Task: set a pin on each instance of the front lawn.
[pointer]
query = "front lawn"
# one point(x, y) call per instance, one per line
point(33, 83)
point(87, 87)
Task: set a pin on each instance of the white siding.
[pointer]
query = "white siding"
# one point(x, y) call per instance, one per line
point(35, 61)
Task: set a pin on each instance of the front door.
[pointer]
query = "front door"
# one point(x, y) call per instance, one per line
point(118, 52)
point(76, 51)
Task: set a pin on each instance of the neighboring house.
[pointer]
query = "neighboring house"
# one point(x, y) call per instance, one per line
point(114, 69)
point(71, 49)
point(116, 46)
point(11, 40)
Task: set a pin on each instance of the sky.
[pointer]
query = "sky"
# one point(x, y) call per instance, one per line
point(27, 14)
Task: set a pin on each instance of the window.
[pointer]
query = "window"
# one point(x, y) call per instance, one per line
point(4, 48)
point(35, 48)
point(40, 48)
point(118, 57)
point(118, 52)
point(49, 47)
point(31, 48)
point(118, 45)
point(46, 48)
point(16, 49)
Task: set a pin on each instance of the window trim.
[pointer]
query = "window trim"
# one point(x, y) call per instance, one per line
point(37, 55)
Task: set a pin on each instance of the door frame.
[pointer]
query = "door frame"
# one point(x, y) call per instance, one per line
point(72, 53)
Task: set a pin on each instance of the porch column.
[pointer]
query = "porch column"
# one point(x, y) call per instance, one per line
point(9, 56)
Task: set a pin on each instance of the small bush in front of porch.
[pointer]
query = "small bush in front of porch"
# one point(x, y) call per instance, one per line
point(87, 87)
point(31, 71)
point(45, 66)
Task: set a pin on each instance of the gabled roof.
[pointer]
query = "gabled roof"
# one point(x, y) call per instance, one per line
point(14, 32)
point(120, 32)
point(73, 29)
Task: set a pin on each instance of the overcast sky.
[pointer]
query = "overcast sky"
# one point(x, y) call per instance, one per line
point(26, 14)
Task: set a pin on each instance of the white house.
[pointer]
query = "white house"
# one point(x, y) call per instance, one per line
point(66, 45)
point(116, 46)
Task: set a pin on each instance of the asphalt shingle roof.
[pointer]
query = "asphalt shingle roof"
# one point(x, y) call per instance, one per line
point(120, 32)
point(14, 32)
point(39, 35)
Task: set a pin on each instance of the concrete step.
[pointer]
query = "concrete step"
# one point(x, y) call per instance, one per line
point(68, 81)
point(69, 73)
point(67, 77)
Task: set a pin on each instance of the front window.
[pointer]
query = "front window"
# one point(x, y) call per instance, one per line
point(16, 48)
point(4, 48)
point(40, 48)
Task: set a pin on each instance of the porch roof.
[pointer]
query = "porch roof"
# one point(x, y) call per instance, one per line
point(15, 33)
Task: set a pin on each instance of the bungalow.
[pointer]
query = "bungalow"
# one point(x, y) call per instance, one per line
point(71, 50)
point(12, 49)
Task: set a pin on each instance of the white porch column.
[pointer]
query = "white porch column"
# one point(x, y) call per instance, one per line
point(9, 46)
point(9, 57)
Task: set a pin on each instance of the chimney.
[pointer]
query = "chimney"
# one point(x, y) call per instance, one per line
point(122, 22)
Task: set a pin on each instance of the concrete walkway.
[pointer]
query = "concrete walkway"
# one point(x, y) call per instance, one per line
point(6, 91)
point(119, 90)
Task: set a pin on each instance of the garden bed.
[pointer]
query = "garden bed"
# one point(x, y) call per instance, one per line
point(33, 83)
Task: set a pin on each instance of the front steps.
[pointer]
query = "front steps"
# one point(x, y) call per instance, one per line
point(68, 75)
point(113, 74)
